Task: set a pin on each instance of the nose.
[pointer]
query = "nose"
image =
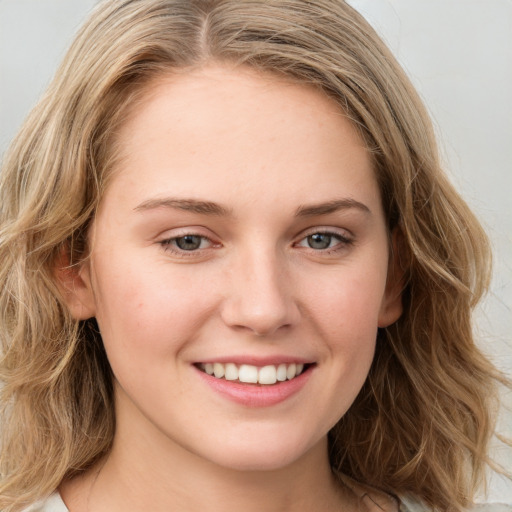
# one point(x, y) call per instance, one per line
point(259, 296)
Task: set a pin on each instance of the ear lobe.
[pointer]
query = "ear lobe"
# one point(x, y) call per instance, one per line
point(74, 283)
point(392, 308)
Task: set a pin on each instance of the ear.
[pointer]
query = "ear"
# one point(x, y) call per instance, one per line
point(391, 307)
point(74, 283)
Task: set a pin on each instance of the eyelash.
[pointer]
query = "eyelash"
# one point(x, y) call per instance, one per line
point(169, 244)
point(344, 241)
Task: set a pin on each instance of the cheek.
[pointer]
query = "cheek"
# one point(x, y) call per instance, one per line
point(146, 314)
point(348, 302)
point(345, 312)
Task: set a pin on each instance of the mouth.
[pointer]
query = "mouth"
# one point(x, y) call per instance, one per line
point(267, 375)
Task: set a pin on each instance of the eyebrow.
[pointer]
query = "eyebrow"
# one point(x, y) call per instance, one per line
point(211, 208)
point(331, 207)
point(189, 205)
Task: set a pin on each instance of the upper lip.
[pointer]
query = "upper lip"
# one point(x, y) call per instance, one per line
point(257, 360)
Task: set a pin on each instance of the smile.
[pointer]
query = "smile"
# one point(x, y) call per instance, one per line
point(249, 374)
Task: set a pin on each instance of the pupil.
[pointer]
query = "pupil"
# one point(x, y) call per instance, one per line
point(189, 242)
point(319, 241)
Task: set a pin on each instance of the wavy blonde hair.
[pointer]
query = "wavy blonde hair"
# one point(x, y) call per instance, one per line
point(422, 422)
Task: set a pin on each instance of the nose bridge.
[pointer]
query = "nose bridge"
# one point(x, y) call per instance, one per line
point(260, 294)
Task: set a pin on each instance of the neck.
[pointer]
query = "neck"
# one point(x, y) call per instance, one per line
point(182, 482)
point(125, 482)
point(148, 471)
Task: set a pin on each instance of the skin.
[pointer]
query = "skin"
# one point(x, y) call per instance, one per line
point(263, 149)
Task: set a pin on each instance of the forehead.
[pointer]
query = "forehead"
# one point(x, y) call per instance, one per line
point(194, 132)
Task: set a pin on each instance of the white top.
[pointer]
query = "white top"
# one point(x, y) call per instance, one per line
point(55, 504)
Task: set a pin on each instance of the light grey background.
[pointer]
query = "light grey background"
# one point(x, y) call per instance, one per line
point(459, 55)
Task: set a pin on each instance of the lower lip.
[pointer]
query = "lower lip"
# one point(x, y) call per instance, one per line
point(252, 395)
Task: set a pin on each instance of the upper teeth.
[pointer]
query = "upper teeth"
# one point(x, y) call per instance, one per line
point(269, 374)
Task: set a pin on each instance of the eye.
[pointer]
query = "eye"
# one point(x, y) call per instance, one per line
point(322, 241)
point(189, 243)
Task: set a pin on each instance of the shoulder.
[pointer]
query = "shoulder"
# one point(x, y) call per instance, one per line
point(370, 499)
point(52, 504)
point(412, 505)
point(492, 507)
point(374, 500)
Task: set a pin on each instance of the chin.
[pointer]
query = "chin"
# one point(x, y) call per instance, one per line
point(263, 456)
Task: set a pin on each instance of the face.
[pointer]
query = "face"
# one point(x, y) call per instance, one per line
point(242, 235)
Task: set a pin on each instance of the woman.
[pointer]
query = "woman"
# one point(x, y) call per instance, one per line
point(236, 275)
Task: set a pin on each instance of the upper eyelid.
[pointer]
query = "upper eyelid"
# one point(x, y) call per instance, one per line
point(341, 232)
point(180, 232)
point(182, 235)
